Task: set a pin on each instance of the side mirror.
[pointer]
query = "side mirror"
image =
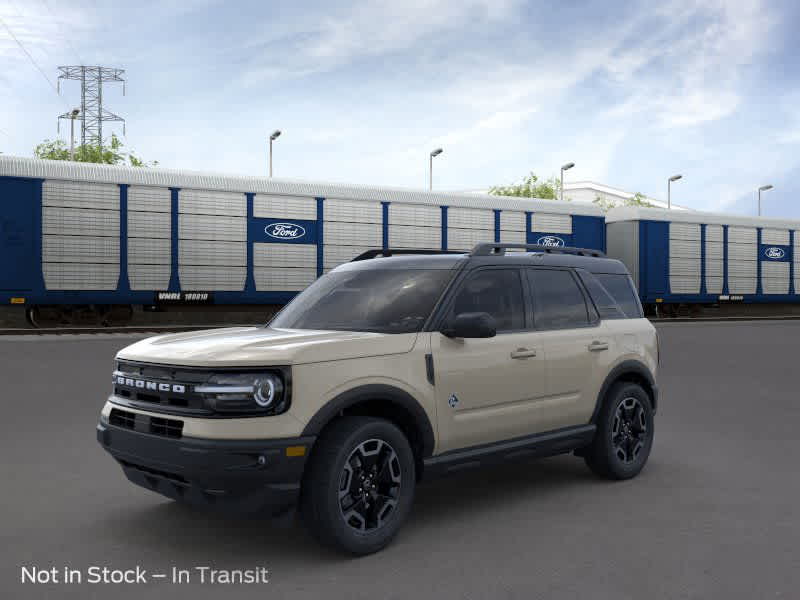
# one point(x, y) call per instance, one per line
point(471, 325)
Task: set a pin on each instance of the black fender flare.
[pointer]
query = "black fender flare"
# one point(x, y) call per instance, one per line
point(626, 367)
point(400, 398)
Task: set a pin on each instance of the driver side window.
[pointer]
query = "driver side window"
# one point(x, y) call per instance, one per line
point(497, 292)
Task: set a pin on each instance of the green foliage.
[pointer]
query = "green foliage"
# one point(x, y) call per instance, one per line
point(530, 187)
point(638, 199)
point(112, 154)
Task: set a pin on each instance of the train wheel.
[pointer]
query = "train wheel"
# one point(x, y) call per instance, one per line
point(33, 316)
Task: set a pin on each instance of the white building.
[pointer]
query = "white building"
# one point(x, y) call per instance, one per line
point(588, 191)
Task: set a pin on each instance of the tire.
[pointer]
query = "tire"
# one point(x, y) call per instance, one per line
point(624, 436)
point(353, 520)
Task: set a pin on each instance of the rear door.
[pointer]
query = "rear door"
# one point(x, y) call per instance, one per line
point(576, 346)
point(17, 214)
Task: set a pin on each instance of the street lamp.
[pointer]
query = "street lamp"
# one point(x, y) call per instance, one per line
point(72, 116)
point(763, 188)
point(565, 167)
point(275, 135)
point(669, 183)
point(436, 152)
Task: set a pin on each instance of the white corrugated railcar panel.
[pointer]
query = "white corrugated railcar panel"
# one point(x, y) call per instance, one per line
point(285, 255)
point(80, 276)
point(284, 207)
point(149, 225)
point(684, 248)
point(684, 285)
point(415, 214)
point(470, 218)
point(411, 236)
point(149, 199)
point(514, 237)
point(684, 266)
point(214, 228)
point(714, 285)
point(333, 256)
point(713, 233)
point(149, 277)
point(203, 252)
point(742, 268)
point(80, 221)
point(352, 211)
point(714, 250)
point(512, 220)
point(775, 277)
point(148, 251)
point(775, 236)
point(714, 267)
point(684, 231)
point(204, 202)
point(80, 249)
point(352, 234)
point(80, 194)
point(742, 285)
point(551, 223)
point(283, 280)
point(742, 252)
point(742, 235)
point(202, 278)
point(465, 239)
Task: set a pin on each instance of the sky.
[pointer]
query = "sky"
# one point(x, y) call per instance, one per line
point(632, 92)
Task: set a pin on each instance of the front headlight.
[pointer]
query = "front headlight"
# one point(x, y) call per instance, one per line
point(245, 393)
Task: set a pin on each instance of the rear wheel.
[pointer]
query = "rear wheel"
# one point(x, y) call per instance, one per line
point(624, 434)
point(359, 485)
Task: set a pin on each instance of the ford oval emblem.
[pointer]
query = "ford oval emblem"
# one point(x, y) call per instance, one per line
point(285, 231)
point(550, 240)
point(775, 253)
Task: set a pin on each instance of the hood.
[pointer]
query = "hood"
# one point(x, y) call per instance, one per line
point(263, 346)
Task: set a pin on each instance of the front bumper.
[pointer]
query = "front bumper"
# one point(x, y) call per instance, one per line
point(242, 476)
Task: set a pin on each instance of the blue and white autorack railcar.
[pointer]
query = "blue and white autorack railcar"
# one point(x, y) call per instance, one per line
point(696, 258)
point(95, 236)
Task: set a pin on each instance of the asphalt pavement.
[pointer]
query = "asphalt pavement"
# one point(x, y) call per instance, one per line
point(713, 515)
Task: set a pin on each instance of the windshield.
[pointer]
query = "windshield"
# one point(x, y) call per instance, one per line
point(385, 301)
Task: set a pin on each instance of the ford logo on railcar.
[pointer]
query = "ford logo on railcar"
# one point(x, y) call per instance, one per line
point(550, 240)
point(285, 231)
point(776, 253)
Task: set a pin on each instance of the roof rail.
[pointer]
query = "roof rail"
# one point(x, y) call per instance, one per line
point(487, 249)
point(399, 251)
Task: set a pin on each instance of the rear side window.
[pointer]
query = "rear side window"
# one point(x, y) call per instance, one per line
point(558, 302)
point(607, 306)
point(621, 288)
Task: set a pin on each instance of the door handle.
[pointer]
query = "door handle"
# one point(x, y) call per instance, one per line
point(596, 346)
point(523, 353)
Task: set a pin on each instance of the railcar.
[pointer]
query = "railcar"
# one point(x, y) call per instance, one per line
point(97, 240)
point(691, 260)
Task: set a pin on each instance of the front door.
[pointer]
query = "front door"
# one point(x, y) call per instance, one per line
point(487, 389)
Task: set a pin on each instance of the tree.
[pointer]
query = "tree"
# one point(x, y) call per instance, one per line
point(606, 204)
point(112, 154)
point(530, 187)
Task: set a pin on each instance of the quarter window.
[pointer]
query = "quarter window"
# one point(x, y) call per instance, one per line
point(558, 302)
point(494, 291)
point(621, 289)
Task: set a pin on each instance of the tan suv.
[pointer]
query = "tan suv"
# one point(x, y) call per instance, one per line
point(397, 366)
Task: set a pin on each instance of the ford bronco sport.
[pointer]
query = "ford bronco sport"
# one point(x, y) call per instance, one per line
point(397, 366)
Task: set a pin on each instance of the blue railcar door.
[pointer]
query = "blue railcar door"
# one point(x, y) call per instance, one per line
point(18, 201)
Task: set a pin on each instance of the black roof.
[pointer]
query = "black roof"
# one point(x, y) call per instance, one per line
point(590, 260)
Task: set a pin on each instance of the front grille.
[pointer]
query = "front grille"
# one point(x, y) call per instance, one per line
point(171, 428)
point(134, 382)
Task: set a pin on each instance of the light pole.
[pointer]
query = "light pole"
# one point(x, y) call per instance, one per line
point(275, 135)
point(436, 152)
point(669, 183)
point(763, 188)
point(565, 167)
point(72, 115)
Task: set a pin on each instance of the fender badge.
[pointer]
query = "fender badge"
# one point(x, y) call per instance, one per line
point(452, 401)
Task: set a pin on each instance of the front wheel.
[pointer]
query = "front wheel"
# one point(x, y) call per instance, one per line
point(624, 434)
point(359, 486)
